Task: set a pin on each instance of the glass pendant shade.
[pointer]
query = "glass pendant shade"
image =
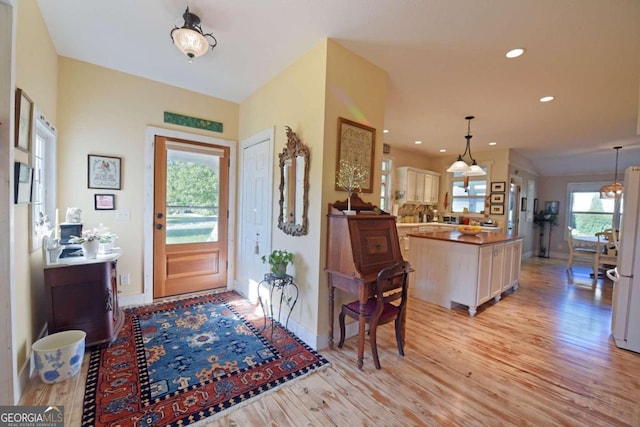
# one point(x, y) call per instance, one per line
point(458, 166)
point(190, 39)
point(612, 191)
point(190, 42)
point(475, 170)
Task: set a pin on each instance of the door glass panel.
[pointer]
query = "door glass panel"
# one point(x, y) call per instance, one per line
point(192, 196)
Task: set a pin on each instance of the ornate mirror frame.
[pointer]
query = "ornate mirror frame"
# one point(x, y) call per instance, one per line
point(291, 157)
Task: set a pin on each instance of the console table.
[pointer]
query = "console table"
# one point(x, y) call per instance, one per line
point(83, 294)
point(285, 285)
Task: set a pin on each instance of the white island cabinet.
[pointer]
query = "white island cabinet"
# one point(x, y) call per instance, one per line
point(452, 268)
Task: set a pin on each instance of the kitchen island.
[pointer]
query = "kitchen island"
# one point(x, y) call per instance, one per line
point(455, 268)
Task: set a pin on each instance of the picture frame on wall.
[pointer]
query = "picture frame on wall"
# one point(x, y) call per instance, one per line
point(104, 202)
point(523, 204)
point(498, 186)
point(24, 120)
point(104, 172)
point(552, 207)
point(23, 175)
point(356, 144)
point(497, 209)
point(497, 198)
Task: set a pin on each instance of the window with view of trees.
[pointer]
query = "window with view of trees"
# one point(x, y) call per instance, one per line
point(588, 213)
point(470, 196)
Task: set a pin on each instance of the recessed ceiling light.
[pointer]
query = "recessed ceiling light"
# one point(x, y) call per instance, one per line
point(492, 143)
point(514, 53)
point(546, 98)
point(418, 142)
point(385, 131)
point(442, 150)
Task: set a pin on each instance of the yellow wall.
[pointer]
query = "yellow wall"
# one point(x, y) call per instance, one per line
point(36, 74)
point(106, 112)
point(295, 98)
point(356, 90)
point(326, 83)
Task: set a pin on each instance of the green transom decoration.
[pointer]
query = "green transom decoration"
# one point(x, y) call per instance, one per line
point(194, 122)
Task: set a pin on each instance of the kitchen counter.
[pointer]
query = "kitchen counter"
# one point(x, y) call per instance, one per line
point(440, 225)
point(482, 238)
point(453, 268)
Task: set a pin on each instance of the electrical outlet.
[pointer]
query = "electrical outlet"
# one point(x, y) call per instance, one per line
point(125, 280)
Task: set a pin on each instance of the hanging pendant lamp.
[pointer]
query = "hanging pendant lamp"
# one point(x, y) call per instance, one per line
point(460, 165)
point(612, 191)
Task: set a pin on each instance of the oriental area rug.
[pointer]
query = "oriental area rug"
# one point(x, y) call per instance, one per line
point(176, 363)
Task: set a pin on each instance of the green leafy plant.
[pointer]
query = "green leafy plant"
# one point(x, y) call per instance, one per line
point(278, 261)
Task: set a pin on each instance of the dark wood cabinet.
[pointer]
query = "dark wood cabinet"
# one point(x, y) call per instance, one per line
point(85, 297)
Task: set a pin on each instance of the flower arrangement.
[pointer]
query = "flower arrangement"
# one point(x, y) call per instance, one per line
point(350, 177)
point(278, 261)
point(93, 234)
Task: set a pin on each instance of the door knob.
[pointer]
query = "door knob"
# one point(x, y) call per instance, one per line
point(159, 215)
point(159, 226)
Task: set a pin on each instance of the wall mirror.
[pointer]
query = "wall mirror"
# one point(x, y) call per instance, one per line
point(294, 186)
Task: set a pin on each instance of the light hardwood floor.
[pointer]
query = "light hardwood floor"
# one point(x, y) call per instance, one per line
point(541, 356)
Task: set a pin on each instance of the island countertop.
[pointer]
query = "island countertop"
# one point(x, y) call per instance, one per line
point(480, 239)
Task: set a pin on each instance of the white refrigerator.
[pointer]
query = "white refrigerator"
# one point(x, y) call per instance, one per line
point(625, 323)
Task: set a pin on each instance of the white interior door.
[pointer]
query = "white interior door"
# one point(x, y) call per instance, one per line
point(256, 211)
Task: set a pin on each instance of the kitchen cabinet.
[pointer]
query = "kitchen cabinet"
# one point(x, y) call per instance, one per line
point(405, 243)
point(84, 295)
point(417, 186)
point(451, 268)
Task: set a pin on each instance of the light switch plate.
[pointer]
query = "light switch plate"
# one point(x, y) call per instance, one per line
point(123, 215)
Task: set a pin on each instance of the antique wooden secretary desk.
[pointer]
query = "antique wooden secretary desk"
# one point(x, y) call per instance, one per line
point(358, 247)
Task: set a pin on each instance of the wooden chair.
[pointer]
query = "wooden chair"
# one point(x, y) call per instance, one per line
point(606, 250)
point(582, 253)
point(390, 287)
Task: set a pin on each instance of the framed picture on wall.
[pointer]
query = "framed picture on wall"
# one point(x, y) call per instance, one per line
point(497, 209)
point(356, 144)
point(497, 198)
point(22, 181)
point(105, 202)
point(552, 207)
point(498, 187)
point(104, 172)
point(24, 120)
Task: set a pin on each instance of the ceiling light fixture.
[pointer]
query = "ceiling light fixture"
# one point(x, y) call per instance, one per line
point(612, 191)
point(190, 39)
point(514, 53)
point(460, 165)
point(546, 99)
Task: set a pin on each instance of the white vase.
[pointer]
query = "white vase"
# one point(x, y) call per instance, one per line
point(90, 249)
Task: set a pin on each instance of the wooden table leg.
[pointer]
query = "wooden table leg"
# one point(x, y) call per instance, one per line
point(331, 298)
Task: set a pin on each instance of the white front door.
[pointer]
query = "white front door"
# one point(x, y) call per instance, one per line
point(256, 221)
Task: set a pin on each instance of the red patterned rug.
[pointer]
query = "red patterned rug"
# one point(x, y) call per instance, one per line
point(179, 362)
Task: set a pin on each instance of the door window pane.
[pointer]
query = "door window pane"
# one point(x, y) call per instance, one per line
point(192, 197)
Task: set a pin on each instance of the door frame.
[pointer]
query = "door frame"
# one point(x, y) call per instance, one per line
point(150, 133)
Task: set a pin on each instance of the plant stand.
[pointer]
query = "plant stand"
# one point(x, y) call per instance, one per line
point(286, 286)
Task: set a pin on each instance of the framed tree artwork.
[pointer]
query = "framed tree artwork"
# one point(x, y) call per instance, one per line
point(356, 145)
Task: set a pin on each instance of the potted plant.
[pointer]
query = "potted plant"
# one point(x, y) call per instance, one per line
point(91, 239)
point(278, 261)
point(350, 177)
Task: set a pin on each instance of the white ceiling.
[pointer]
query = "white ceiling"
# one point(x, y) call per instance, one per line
point(444, 58)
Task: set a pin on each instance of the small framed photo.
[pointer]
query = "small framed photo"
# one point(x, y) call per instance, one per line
point(523, 204)
point(23, 179)
point(497, 198)
point(551, 207)
point(104, 172)
point(497, 209)
point(498, 187)
point(24, 120)
point(105, 202)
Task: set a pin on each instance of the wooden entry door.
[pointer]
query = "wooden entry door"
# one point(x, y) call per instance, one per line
point(191, 192)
